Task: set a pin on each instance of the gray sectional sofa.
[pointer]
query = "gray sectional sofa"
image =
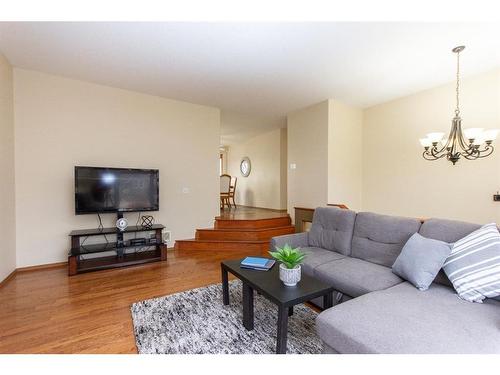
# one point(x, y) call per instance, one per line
point(375, 311)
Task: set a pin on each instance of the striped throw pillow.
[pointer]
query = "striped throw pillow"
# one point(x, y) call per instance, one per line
point(473, 266)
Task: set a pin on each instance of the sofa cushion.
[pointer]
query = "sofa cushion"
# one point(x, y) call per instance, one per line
point(380, 238)
point(356, 277)
point(448, 231)
point(294, 240)
point(332, 229)
point(420, 260)
point(403, 319)
point(316, 256)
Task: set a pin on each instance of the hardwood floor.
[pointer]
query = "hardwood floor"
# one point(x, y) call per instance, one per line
point(45, 311)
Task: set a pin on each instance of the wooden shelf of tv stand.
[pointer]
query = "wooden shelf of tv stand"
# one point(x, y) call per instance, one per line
point(78, 265)
point(125, 260)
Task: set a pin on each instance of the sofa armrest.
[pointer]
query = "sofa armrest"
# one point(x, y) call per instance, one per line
point(294, 240)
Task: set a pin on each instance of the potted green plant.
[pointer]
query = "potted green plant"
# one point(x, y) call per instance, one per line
point(290, 258)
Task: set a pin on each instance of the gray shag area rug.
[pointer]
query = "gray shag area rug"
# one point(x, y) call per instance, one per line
point(196, 322)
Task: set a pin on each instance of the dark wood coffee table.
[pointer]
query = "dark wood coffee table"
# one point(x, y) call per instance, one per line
point(270, 286)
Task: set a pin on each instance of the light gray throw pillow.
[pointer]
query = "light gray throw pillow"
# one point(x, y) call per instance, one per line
point(420, 260)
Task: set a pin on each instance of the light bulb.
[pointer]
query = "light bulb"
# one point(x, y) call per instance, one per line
point(473, 133)
point(425, 142)
point(490, 134)
point(435, 137)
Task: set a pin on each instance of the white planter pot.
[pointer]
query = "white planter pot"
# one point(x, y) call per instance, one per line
point(290, 277)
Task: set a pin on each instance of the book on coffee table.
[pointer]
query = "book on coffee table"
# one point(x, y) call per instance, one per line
point(257, 263)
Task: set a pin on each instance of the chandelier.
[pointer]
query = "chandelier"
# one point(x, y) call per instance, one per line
point(472, 144)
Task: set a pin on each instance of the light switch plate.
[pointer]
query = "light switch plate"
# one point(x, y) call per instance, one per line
point(293, 166)
point(186, 190)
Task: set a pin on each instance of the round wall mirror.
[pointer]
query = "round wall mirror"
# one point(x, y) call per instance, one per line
point(245, 166)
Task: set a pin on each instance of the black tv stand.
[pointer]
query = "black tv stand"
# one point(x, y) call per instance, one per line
point(127, 254)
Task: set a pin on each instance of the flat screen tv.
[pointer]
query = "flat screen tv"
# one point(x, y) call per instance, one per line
point(101, 190)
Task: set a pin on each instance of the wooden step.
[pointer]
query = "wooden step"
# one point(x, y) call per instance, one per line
point(263, 234)
point(253, 224)
point(218, 255)
point(254, 247)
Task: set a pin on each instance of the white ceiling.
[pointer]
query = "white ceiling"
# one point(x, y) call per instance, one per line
point(263, 69)
point(238, 127)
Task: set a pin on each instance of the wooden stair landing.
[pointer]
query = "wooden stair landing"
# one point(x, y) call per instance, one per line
point(238, 236)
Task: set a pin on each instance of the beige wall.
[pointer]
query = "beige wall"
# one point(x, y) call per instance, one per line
point(284, 167)
point(345, 134)
point(397, 180)
point(324, 141)
point(265, 186)
point(61, 123)
point(308, 150)
point(7, 186)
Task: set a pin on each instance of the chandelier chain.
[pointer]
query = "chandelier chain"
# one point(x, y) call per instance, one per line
point(457, 110)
